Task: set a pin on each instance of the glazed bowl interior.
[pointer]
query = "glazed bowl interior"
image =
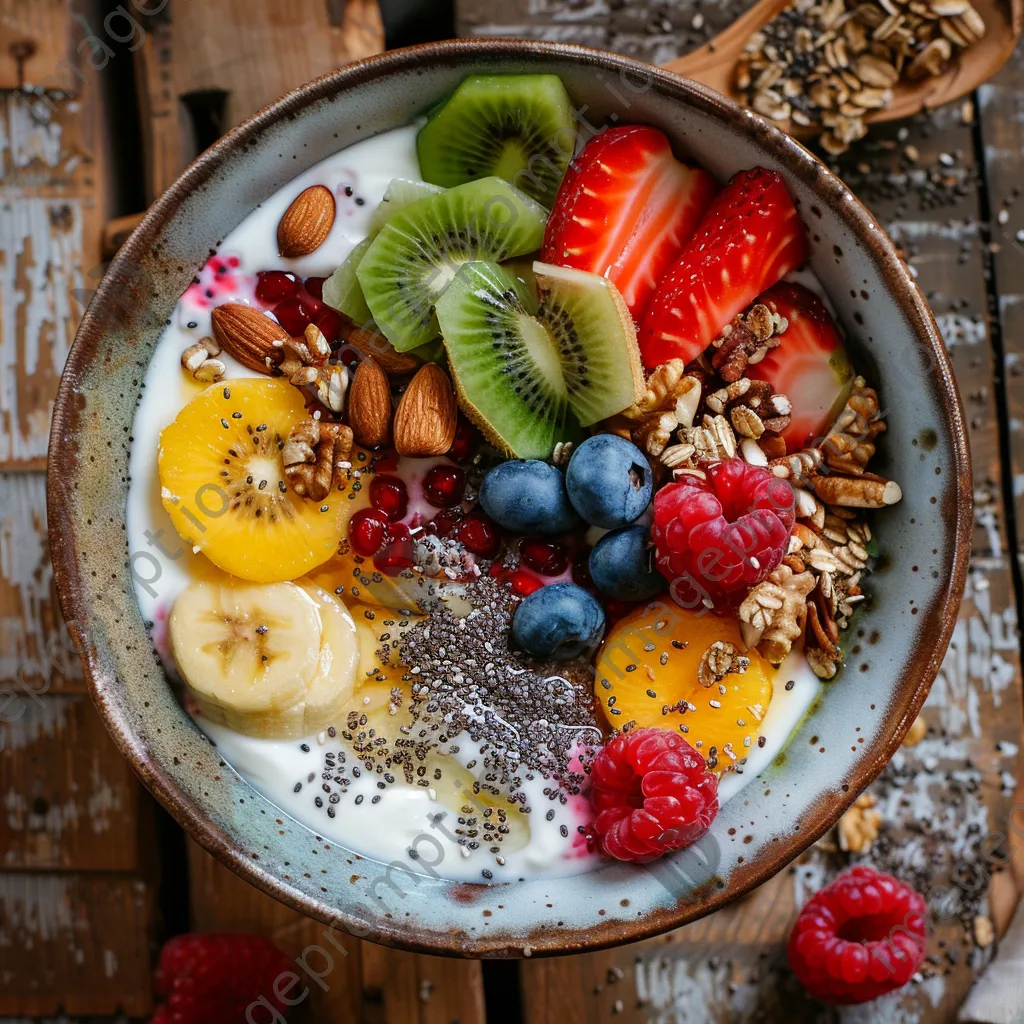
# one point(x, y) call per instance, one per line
point(841, 746)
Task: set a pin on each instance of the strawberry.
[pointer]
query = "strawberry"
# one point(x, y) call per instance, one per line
point(810, 366)
point(213, 979)
point(625, 209)
point(749, 238)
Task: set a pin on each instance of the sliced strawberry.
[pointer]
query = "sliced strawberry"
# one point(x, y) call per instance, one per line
point(625, 209)
point(810, 366)
point(749, 238)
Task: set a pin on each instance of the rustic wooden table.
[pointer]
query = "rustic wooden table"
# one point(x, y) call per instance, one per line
point(94, 875)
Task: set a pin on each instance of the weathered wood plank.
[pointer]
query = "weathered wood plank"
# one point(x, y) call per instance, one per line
point(357, 980)
point(75, 944)
point(70, 801)
point(406, 988)
point(657, 31)
point(52, 197)
point(34, 39)
point(1001, 125)
point(37, 654)
point(189, 94)
point(80, 941)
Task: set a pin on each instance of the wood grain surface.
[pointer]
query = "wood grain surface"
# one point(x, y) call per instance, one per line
point(189, 93)
point(79, 917)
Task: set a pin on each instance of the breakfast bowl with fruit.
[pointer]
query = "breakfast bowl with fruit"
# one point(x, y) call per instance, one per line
point(509, 499)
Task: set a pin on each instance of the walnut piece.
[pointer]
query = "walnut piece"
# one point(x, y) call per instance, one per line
point(670, 402)
point(305, 364)
point(774, 613)
point(859, 826)
point(315, 457)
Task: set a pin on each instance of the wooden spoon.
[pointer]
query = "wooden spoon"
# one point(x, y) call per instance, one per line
point(714, 63)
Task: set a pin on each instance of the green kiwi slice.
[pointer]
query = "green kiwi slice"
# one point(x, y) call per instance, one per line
point(591, 324)
point(506, 367)
point(518, 127)
point(420, 249)
point(341, 289)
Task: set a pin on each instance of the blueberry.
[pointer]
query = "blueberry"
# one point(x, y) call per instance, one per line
point(609, 481)
point(528, 497)
point(622, 565)
point(560, 621)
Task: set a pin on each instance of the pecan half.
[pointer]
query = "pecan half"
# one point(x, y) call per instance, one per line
point(850, 444)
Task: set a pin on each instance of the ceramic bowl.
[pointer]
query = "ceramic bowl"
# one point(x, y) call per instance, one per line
point(843, 744)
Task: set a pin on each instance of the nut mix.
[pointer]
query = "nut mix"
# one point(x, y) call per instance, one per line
point(829, 63)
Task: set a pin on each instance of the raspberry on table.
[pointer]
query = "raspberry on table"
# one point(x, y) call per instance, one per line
point(858, 938)
point(213, 978)
point(719, 537)
point(651, 793)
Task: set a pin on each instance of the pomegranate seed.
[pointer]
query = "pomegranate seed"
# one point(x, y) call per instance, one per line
point(581, 570)
point(397, 554)
point(315, 286)
point(478, 534)
point(272, 286)
point(295, 314)
point(388, 494)
point(444, 486)
point(616, 609)
point(330, 324)
point(524, 583)
point(547, 558)
point(444, 522)
point(367, 531)
point(466, 441)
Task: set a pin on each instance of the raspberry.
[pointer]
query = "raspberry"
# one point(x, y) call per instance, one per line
point(721, 536)
point(858, 938)
point(212, 979)
point(651, 793)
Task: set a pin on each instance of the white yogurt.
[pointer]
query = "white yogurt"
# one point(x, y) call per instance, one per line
point(408, 824)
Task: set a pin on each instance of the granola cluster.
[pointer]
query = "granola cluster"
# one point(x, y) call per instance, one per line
point(691, 415)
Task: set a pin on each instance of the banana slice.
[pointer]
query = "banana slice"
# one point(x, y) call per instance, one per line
point(274, 660)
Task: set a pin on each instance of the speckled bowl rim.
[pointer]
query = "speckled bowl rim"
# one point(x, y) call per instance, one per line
point(915, 682)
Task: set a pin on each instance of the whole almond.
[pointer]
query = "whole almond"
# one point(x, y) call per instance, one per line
point(369, 404)
point(249, 335)
point(307, 222)
point(427, 414)
point(373, 343)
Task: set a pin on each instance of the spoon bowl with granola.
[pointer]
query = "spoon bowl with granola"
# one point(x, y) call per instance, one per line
point(509, 499)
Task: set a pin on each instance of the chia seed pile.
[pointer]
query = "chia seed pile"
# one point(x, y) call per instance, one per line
point(466, 681)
